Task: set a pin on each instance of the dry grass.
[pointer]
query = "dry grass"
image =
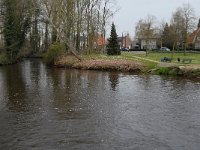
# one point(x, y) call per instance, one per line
point(120, 65)
point(66, 61)
point(99, 64)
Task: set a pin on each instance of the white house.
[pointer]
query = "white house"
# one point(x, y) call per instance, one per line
point(150, 43)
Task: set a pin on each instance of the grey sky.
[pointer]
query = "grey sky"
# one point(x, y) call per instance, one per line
point(130, 11)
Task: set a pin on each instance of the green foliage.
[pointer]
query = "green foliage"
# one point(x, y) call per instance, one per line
point(166, 71)
point(3, 59)
point(113, 47)
point(16, 24)
point(163, 71)
point(56, 50)
point(167, 36)
point(25, 50)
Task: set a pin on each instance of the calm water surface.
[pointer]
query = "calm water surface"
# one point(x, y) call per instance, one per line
point(57, 109)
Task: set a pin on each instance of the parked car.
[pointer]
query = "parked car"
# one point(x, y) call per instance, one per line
point(124, 49)
point(164, 49)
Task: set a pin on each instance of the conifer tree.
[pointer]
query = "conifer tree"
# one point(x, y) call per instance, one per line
point(113, 46)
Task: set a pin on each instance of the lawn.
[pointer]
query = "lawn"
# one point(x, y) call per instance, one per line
point(157, 56)
point(151, 61)
point(135, 61)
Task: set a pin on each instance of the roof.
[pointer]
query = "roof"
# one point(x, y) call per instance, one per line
point(191, 38)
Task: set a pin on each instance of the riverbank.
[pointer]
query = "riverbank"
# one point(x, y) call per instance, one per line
point(129, 64)
point(182, 70)
point(100, 63)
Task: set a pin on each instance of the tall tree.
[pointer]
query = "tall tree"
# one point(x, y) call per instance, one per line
point(177, 25)
point(189, 22)
point(167, 36)
point(70, 19)
point(16, 24)
point(40, 22)
point(113, 46)
point(182, 23)
point(145, 29)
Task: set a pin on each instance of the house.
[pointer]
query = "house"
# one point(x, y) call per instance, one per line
point(135, 44)
point(193, 40)
point(125, 41)
point(99, 40)
point(148, 43)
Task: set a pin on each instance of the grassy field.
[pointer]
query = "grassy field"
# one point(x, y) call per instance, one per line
point(157, 56)
point(151, 61)
point(152, 57)
point(137, 62)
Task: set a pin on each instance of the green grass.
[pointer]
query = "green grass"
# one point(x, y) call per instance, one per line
point(157, 56)
point(166, 71)
point(151, 60)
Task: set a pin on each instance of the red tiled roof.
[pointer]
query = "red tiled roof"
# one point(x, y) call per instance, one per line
point(100, 40)
point(191, 37)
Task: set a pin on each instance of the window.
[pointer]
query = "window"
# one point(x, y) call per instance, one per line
point(197, 45)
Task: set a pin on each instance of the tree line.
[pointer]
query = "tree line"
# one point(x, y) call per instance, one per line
point(173, 34)
point(30, 26)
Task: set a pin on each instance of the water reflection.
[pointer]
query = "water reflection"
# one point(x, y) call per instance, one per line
point(46, 108)
point(15, 88)
point(114, 80)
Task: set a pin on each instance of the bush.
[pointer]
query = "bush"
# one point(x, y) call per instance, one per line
point(3, 59)
point(25, 51)
point(163, 71)
point(167, 71)
point(56, 50)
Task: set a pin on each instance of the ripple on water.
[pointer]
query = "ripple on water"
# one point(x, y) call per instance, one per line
point(43, 108)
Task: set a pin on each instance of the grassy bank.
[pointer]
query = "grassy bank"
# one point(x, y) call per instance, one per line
point(135, 62)
point(157, 56)
point(173, 68)
point(101, 62)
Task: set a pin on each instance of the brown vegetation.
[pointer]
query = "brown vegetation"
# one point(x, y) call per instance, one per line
point(99, 64)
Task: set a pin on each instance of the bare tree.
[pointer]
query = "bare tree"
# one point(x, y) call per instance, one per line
point(183, 22)
point(189, 21)
point(145, 29)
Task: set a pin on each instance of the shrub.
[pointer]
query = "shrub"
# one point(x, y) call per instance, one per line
point(25, 51)
point(167, 71)
point(163, 71)
point(3, 59)
point(56, 50)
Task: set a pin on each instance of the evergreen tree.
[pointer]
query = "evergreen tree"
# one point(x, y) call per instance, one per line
point(168, 36)
point(113, 46)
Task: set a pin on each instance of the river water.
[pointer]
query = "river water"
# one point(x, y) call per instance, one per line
point(45, 108)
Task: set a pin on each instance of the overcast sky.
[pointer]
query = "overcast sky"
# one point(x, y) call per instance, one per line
point(130, 11)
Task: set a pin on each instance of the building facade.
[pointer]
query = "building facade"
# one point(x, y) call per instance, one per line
point(194, 38)
point(150, 43)
point(125, 41)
